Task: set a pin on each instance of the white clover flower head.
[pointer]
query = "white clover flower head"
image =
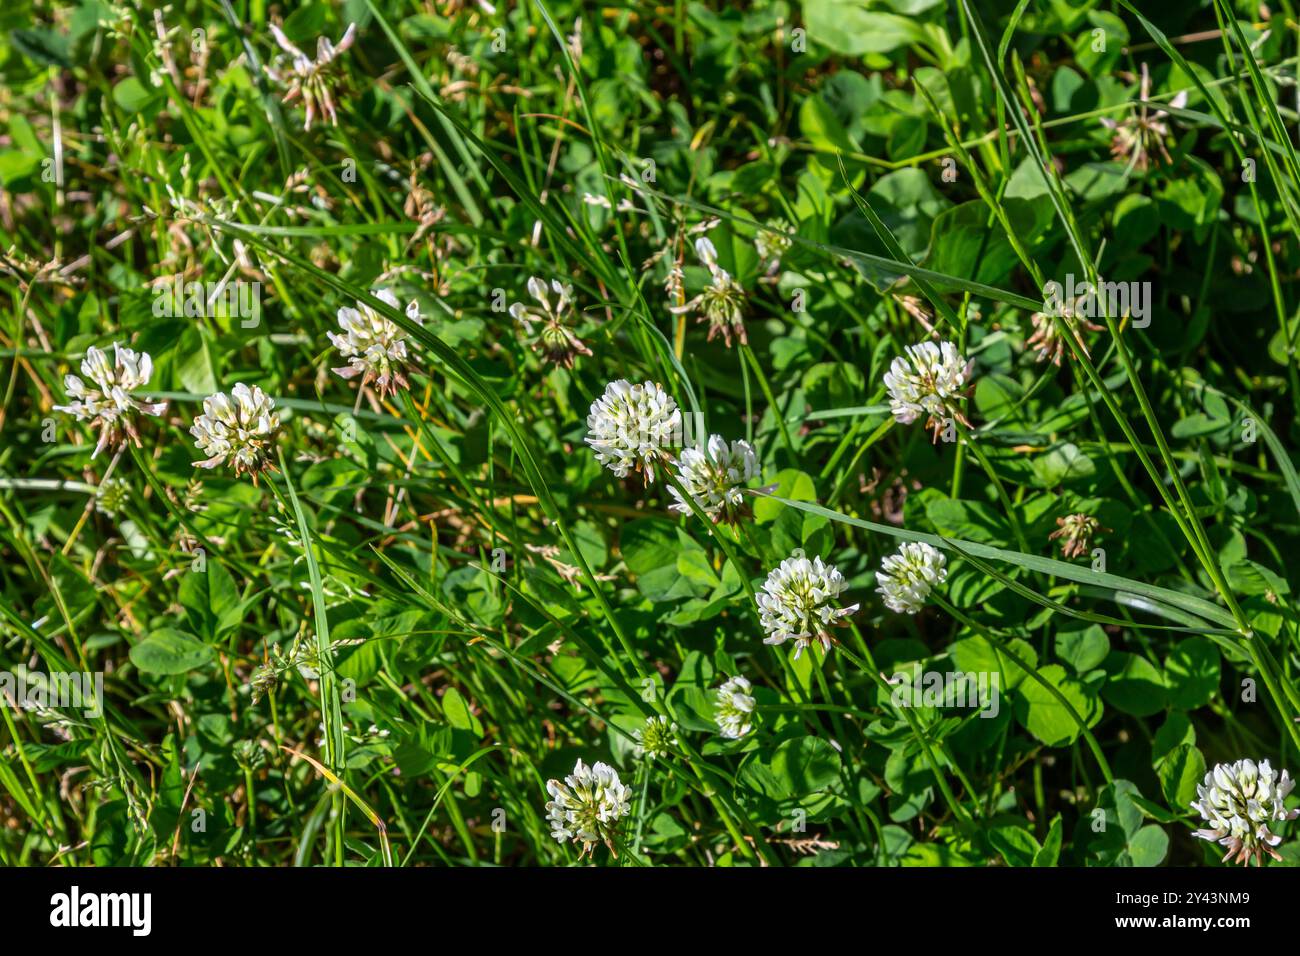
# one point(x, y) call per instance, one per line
point(797, 603)
point(548, 325)
point(657, 737)
point(1076, 530)
point(721, 303)
point(631, 427)
point(108, 405)
point(1140, 134)
point(240, 427)
point(587, 807)
point(771, 243)
point(308, 79)
point(1048, 339)
point(1239, 801)
point(907, 577)
point(715, 475)
point(927, 381)
point(735, 714)
point(374, 345)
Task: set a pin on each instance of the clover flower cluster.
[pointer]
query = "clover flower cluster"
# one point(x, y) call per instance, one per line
point(547, 325)
point(636, 427)
point(310, 80)
point(721, 302)
point(1075, 532)
point(927, 381)
point(587, 806)
point(632, 427)
point(657, 737)
point(907, 577)
point(771, 243)
point(111, 496)
point(1239, 802)
point(1048, 339)
point(239, 428)
point(1139, 136)
point(735, 711)
point(798, 603)
point(629, 428)
point(107, 402)
point(374, 345)
point(714, 475)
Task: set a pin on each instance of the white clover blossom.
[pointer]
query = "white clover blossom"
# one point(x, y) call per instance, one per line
point(240, 427)
point(927, 381)
point(735, 714)
point(554, 340)
point(1239, 801)
point(797, 603)
point(771, 243)
point(1140, 134)
point(308, 79)
point(715, 475)
point(374, 345)
point(1077, 531)
point(1048, 339)
point(109, 406)
point(631, 427)
point(657, 737)
point(587, 807)
point(721, 303)
point(907, 577)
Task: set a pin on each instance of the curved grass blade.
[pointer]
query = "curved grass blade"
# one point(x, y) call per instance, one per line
point(1125, 598)
point(1199, 607)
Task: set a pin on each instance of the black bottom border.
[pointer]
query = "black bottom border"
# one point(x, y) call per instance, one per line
point(358, 905)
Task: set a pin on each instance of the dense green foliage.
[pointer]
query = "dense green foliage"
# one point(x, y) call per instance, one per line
point(379, 648)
